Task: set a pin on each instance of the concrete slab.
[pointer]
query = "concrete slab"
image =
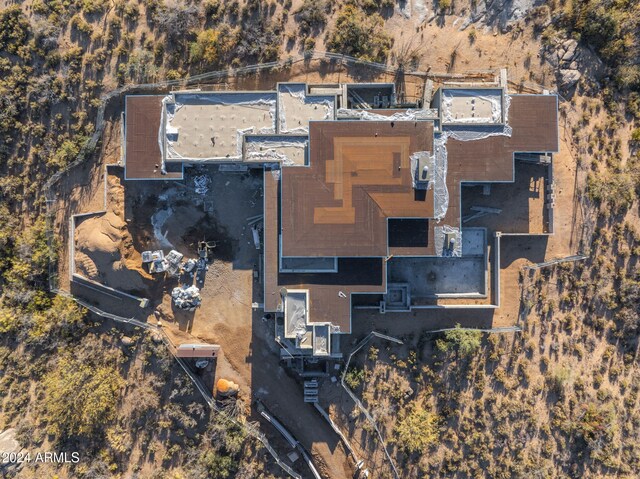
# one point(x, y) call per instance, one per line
point(432, 277)
point(474, 241)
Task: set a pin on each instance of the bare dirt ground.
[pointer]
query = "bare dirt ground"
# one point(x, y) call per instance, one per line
point(249, 355)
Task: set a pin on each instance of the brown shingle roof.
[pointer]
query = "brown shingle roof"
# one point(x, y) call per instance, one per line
point(326, 304)
point(534, 123)
point(142, 151)
point(359, 175)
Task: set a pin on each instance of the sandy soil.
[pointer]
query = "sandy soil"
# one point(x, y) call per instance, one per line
point(104, 249)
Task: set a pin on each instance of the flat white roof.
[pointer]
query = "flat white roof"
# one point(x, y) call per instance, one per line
point(211, 125)
point(296, 108)
point(481, 106)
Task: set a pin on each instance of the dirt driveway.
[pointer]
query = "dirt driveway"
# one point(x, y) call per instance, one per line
point(227, 317)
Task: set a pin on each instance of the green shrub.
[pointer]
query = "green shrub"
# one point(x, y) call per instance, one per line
point(417, 430)
point(354, 377)
point(465, 341)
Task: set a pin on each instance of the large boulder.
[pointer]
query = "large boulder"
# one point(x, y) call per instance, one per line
point(569, 48)
point(568, 78)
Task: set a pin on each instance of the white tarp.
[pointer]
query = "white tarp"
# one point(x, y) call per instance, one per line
point(296, 313)
point(443, 248)
point(270, 149)
point(460, 133)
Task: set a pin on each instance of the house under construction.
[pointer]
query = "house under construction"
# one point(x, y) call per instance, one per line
point(364, 198)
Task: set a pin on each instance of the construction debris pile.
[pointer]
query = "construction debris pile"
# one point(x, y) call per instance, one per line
point(171, 263)
point(173, 260)
point(186, 297)
point(202, 184)
point(156, 261)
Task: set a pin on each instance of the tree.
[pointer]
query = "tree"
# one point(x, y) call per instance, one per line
point(212, 45)
point(14, 29)
point(311, 16)
point(360, 35)
point(465, 341)
point(176, 18)
point(417, 429)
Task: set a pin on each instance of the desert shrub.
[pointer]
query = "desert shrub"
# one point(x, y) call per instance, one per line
point(628, 76)
point(309, 44)
point(444, 5)
point(59, 320)
point(141, 67)
point(633, 104)
point(360, 35)
point(371, 6)
point(8, 225)
point(80, 24)
point(616, 189)
point(464, 341)
point(417, 429)
point(311, 16)
point(94, 6)
point(219, 466)
point(539, 16)
point(559, 379)
point(9, 320)
point(213, 8)
point(612, 28)
point(131, 11)
point(14, 29)
point(32, 252)
point(66, 153)
point(212, 45)
point(80, 397)
point(596, 423)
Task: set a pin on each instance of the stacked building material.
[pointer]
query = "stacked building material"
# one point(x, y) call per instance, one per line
point(173, 260)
